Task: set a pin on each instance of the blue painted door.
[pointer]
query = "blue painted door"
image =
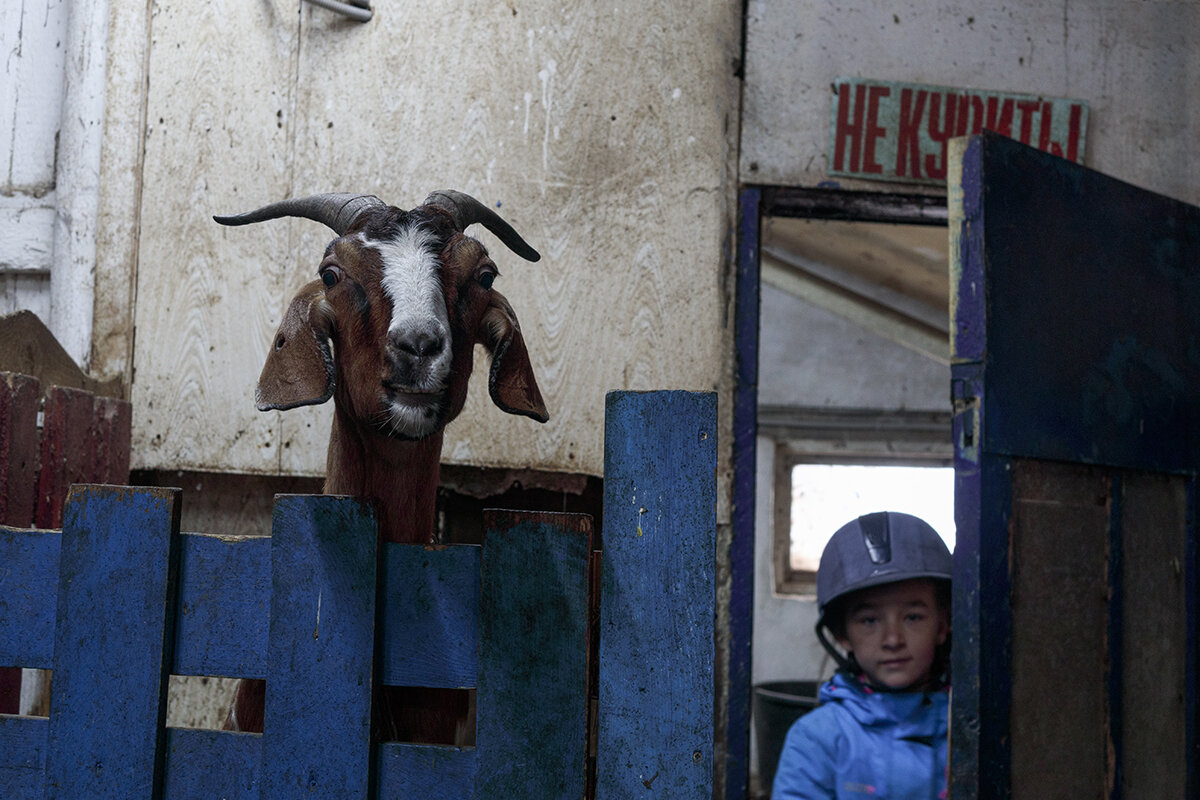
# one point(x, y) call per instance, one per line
point(1076, 387)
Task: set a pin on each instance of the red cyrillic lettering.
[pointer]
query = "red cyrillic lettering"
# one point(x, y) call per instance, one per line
point(873, 130)
point(1027, 109)
point(941, 130)
point(1044, 141)
point(972, 104)
point(1074, 131)
point(908, 137)
point(999, 116)
point(845, 129)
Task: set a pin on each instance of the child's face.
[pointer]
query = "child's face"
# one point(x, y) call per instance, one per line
point(894, 631)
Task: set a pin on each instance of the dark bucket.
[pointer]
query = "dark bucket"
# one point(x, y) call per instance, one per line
point(777, 704)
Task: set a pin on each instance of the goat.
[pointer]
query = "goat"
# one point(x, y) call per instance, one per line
point(388, 330)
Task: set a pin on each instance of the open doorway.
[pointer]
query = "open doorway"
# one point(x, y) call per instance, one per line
point(852, 406)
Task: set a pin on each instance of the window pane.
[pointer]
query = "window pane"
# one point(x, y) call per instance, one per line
point(827, 496)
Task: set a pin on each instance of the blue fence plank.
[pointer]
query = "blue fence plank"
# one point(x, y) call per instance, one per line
point(657, 612)
point(212, 764)
point(224, 606)
point(533, 636)
point(23, 757)
point(316, 729)
point(430, 619)
point(116, 588)
point(425, 772)
point(28, 596)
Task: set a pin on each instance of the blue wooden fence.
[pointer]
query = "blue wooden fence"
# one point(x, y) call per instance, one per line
point(120, 599)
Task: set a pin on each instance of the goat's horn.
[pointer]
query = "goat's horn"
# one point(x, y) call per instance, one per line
point(467, 210)
point(338, 211)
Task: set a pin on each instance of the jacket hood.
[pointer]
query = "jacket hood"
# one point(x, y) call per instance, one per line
point(907, 712)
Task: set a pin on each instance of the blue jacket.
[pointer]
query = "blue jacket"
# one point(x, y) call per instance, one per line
point(860, 743)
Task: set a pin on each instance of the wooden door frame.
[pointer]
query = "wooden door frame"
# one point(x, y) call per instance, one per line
point(754, 203)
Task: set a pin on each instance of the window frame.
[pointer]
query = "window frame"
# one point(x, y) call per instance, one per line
point(858, 438)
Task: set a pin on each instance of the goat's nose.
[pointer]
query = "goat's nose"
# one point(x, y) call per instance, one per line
point(418, 343)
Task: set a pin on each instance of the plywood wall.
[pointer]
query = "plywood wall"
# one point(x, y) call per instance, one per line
point(604, 134)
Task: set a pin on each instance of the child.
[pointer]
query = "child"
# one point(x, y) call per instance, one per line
point(883, 591)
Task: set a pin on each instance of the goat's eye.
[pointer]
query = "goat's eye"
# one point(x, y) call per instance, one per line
point(329, 277)
point(486, 279)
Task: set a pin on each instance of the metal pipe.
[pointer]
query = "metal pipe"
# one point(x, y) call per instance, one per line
point(358, 10)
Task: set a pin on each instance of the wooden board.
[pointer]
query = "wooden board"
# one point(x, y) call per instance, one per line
point(1116, 379)
point(68, 450)
point(533, 648)
point(23, 746)
point(1060, 715)
point(1151, 730)
point(107, 709)
point(20, 452)
point(1076, 388)
point(28, 593)
point(426, 771)
point(430, 616)
point(209, 298)
point(657, 613)
point(320, 657)
point(20, 460)
point(202, 763)
point(224, 606)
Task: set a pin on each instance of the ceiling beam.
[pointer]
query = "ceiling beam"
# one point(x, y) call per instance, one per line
point(868, 312)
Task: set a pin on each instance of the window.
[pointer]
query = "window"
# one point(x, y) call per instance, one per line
point(831, 468)
point(826, 496)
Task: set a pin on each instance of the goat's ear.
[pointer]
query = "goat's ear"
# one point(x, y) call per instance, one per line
point(510, 382)
point(299, 369)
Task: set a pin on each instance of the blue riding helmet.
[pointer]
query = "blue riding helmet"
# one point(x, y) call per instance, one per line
point(878, 548)
point(884, 547)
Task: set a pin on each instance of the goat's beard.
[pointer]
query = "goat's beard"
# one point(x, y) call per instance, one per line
point(403, 421)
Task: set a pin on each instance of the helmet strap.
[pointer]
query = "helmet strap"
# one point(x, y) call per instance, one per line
point(845, 664)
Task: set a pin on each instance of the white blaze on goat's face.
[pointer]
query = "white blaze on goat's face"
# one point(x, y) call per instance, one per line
point(419, 330)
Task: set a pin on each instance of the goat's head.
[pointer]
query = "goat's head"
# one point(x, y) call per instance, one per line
point(403, 297)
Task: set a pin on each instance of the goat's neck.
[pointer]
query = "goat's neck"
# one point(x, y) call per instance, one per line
point(401, 477)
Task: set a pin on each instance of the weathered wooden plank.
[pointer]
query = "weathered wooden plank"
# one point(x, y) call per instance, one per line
point(68, 450)
point(216, 764)
point(425, 771)
point(20, 453)
point(1117, 385)
point(1060, 533)
point(19, 460)
point(316, 730)
point(657, 614)
point(28, 597)
point(224, 606)
point(208, 302)
point(430, 618)
point(533, 641)
point(23, 757)
point(116, 594)
point(113, 421)
point(1153, 622)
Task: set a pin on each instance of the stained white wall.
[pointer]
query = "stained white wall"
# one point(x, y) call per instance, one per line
point(1135, 63)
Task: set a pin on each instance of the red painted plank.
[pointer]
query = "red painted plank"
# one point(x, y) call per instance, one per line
point(68, 450)
point(113, 423)
point(19, 452)
point(10, 690)
point(19, 459)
